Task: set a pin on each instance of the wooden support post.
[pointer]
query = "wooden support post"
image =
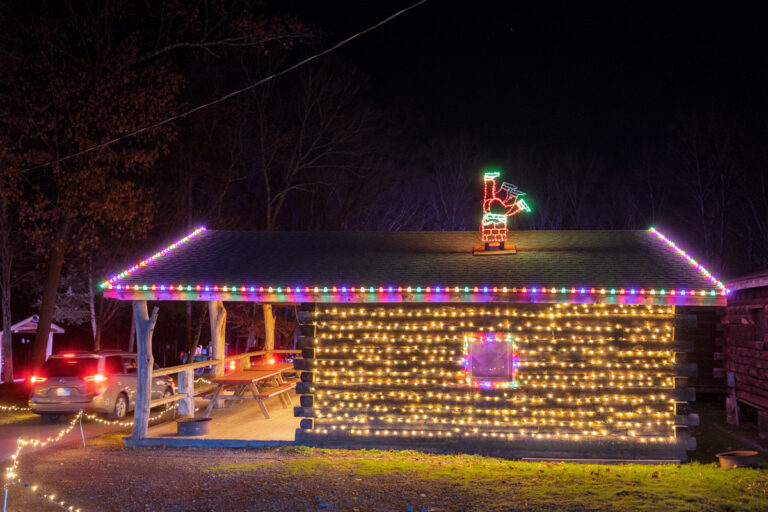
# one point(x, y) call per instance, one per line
point(145, 325)
point(187, 386)
point(218, 316)
point(269, 327)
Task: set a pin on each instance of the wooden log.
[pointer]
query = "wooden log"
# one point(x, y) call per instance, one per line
point(686, 321)
point(218, 320)
point(303, 364)
point(145, 326)
point(306, 317)
point(304, 388)
point(308, 353)
point(306, 342)
point(687, 370)
point(306, 424)
point(683, 394)
point(683, 345)
point(307, 401)
point(691, 420)
point(682, 408)
point(303, 412)
point(178, 397)
point(187, 387)
point(307, 377)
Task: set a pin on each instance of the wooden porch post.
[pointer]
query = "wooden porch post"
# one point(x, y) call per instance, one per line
point(218, 316)
point(145, 325)
point(269, 327)
point(187, 385)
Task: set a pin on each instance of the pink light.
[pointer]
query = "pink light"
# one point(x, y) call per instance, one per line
point(152, 258)
point(711, 277)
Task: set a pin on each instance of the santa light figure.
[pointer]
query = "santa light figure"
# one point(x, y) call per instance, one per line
point(499, 202)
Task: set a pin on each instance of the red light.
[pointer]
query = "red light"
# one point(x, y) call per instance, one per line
point(271, 360)
point(68, 354)
point(99, 377)
point(232, 365)
point(36, 379)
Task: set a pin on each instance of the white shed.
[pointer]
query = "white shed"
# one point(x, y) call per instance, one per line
point(29, 325)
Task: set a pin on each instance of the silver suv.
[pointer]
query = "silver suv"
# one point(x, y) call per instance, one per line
point(102, 382)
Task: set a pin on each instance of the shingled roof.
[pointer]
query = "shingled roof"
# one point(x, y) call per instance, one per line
point(620, 260)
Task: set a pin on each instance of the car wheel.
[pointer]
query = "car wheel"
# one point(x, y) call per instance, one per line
point(121, 407)
point(50, 418)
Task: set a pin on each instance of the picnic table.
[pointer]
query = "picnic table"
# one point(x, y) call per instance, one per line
point(252, 381)
point(263, 367)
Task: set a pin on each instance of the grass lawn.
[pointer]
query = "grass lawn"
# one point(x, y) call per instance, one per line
point(107, 477)
point(301, 478)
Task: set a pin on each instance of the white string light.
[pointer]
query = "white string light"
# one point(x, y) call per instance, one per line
point(12, 473)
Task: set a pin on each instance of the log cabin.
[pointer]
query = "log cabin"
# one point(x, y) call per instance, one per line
point(566, 344)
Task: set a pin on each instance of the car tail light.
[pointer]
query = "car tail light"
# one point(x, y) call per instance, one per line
point(37, 379)
point(97, 378)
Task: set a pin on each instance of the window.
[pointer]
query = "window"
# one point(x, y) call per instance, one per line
point(130, 365)
point(69, 367)
point(113, 365)
point(491, 360)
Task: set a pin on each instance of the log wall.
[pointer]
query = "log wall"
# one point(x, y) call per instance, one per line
point(609, 377)
point(745, 352)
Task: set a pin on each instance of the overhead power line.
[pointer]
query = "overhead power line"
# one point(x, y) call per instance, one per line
point(226, 96)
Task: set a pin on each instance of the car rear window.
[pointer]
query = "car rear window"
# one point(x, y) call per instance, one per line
point(70, 367)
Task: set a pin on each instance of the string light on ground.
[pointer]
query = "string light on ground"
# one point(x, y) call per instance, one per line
point(12, 473)
point(13, 408)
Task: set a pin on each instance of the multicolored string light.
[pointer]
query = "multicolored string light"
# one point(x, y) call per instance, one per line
point(112, 284)
point(702, 270)
point(509, 380)
point(533, 290)
point(153, 258)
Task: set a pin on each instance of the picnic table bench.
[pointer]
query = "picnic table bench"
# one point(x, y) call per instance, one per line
point(252, 381)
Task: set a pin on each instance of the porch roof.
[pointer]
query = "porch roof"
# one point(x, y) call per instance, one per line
point(297, 266)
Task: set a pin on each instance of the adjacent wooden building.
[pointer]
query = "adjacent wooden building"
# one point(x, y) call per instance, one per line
point(745, 354)
point(567, 346)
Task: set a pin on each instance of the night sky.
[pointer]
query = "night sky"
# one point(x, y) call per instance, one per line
point(605, 79)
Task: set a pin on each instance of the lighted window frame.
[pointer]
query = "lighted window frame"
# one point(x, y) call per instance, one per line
point(503, 378)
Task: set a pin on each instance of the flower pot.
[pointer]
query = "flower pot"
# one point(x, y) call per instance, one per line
point(194, 426)
point(738, 459)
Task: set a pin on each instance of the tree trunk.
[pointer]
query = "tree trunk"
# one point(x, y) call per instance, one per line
point(145, 325)
point(92, 308)
point(6, 350)
point(196, 336)
point(54, 264)
point(132, 334)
